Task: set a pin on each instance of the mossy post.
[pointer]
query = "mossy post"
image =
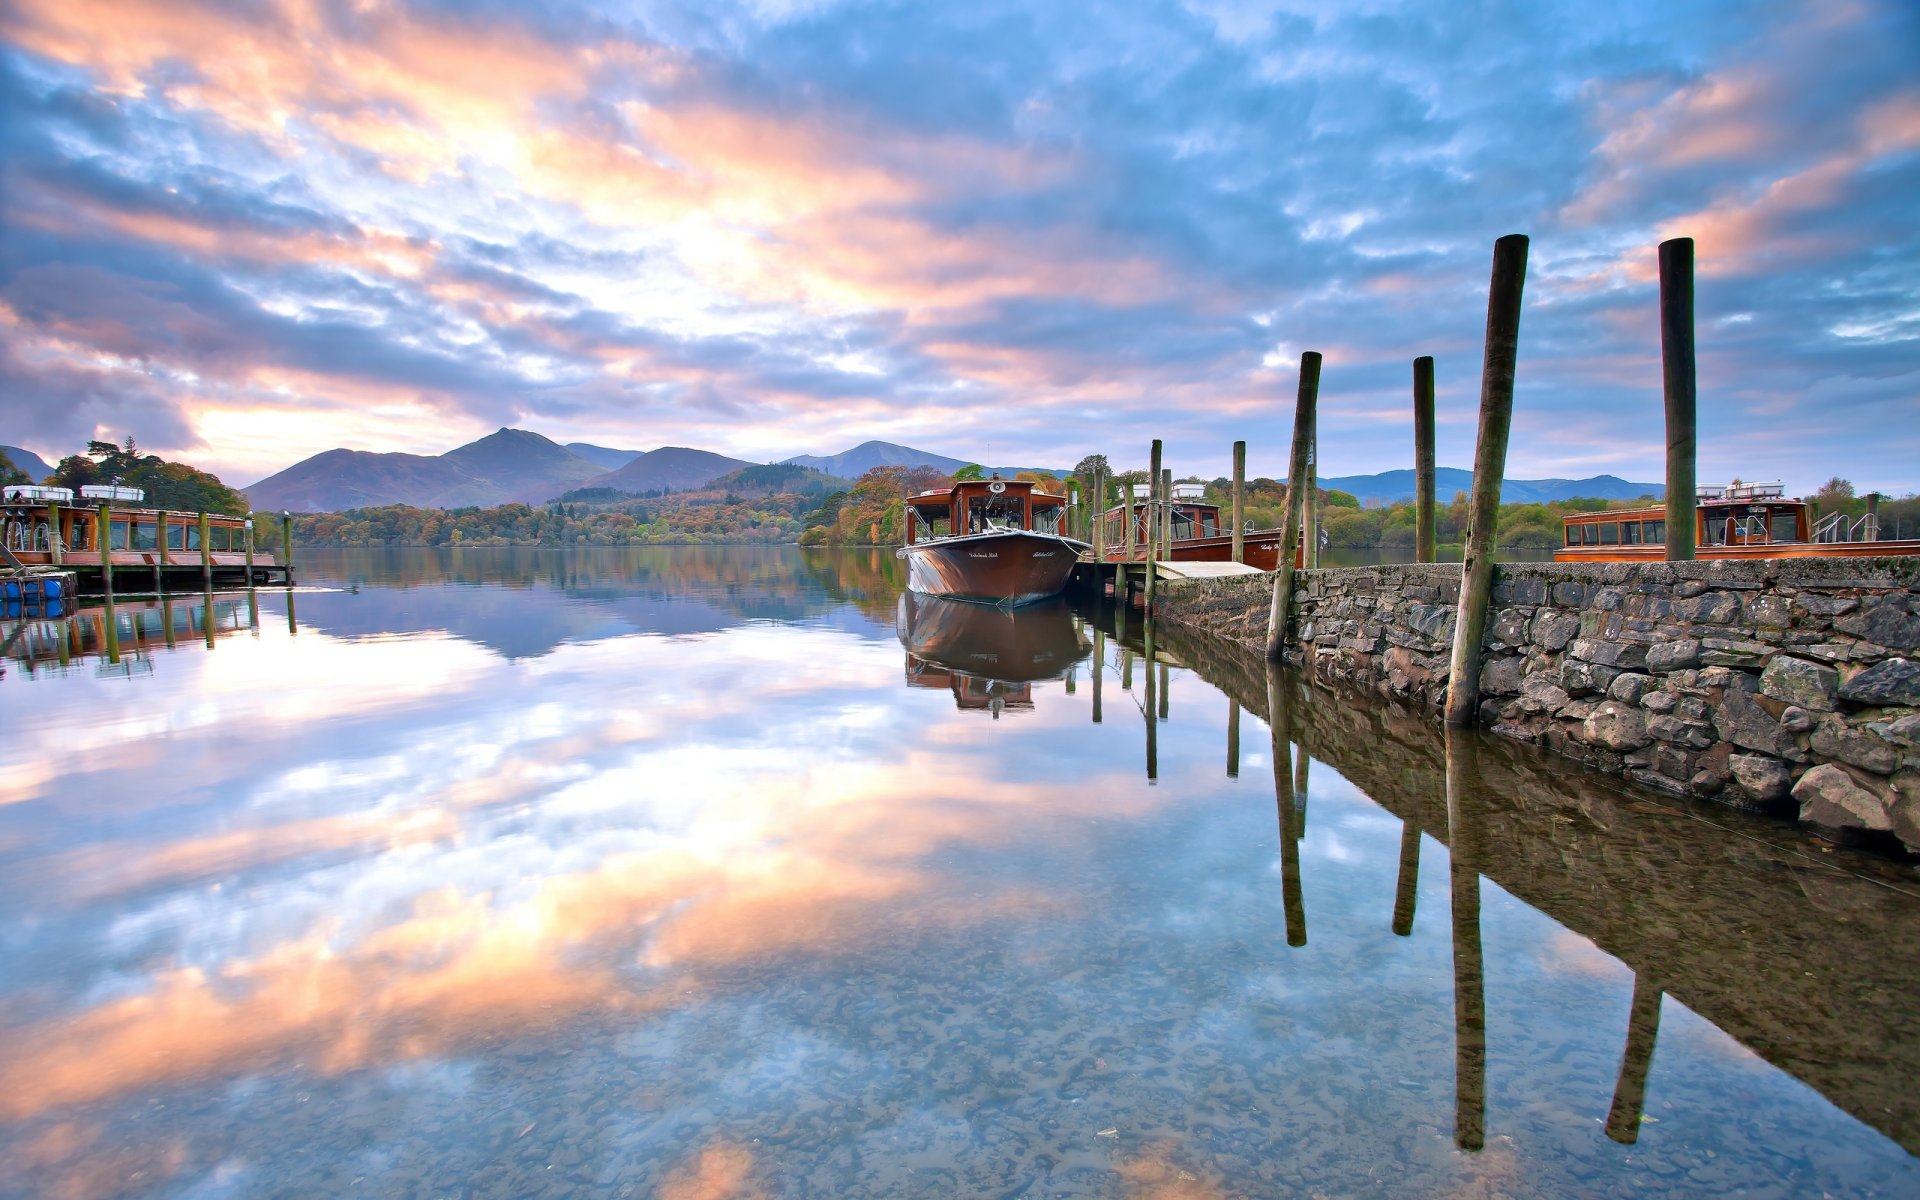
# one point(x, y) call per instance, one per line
point(206, 554)
point(286, 545)
point(1676, 360)
point(1151, 527)
point(1872, 528)
point(1406, 888)
point(1424, 547)
point(55, 547)
point(161, 561)
point(1630, 1090)
point(1489, 465)
point(1280, 726)
point(249, 543)
point(1303, 407)
point(1239, 502)
point(103, 534)
point(1469, 980)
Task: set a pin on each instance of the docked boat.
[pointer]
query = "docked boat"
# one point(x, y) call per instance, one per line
point(42, 527)
point(992, 541)
point(1198, 533)
point(1756, 520)
point(989, 658)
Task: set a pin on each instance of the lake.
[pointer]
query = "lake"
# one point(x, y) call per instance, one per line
point(730, 872)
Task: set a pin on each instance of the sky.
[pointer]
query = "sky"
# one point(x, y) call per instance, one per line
point(247, 231)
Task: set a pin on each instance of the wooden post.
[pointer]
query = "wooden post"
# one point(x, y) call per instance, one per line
point(1153, 724)
point(1239, 502)
point(1489, 465)
point(286, 550)
point(103, 534)
point(1165, 691)
point(1873, 518)
point(206, 617)
point(1290, 521)
point(1166, 515)
point(248, 535)
point(1630, 1091)
point(1300, 792)
point(163, 560)
point(166, 620)
point(1406, 888)
point(293, 626)
point(1153, 486)
point(253, 610)
point(1098, 518)
point(110, 623)
point(1424, 547)
point(1126, 665)
point(1233, 739)
point(1280, 726)
point(1099, 662)
point(1469, 982)
point(206, 554)
point(1676, 360)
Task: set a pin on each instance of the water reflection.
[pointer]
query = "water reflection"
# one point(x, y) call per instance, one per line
point(673, 896)
point(989, 657)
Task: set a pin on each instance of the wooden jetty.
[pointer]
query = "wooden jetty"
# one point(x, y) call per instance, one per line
point(110, 540)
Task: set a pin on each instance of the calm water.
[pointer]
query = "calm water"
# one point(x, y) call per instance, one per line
point(729, 873)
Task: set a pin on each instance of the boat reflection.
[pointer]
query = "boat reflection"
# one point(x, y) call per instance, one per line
point(989, 657)
point(118, 638)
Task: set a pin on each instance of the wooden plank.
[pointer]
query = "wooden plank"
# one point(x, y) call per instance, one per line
point(1204, 570)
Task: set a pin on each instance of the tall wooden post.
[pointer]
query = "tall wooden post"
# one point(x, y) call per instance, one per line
point(162, 560)
point(206, 554)
point(1425, 548)
point(1630, 1091)
point(249, 541)
point(1469, 982)
point(1300, 791)
point(1290, 522)
point(1676, 360)
point(1873, 518)
point(1097, 517)
point(1151, 527)
point(1406, 888)
point(286, 549)
point(56, 545)
point(206, 617)
point(166, 620)
point(1239, 502)
point(1489, 465)
point(1280, 725)
point(103, 534)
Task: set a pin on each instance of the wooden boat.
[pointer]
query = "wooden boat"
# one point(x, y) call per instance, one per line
point(994, 541)
point(989, 658)
point(1741, 521)
point(1199, 535)
point(48, 527)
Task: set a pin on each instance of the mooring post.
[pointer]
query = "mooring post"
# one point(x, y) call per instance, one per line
point(1406, 888)
point(1469, 983)
point(1280, 726)
point(1676, 360)
point(163, 560)
point(1630, 1091)
point(103, 533)
point(56, 546)
point(1233, 739)
point(253, 610)
point(206, 617)
point(1166, 515)
point(1290, 521)
point(110, 629)
point(166, 620)
point(286, 548)
point(206, 554)
point(1489, 464)
point(293, 626)
point(1425, 548)
point(1873, 518)
point(1152, 528)
point(248, 535)
point(1239, 502)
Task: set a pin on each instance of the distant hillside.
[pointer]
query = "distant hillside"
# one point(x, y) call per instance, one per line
point(604, 458)
point(1389, 486)
point(510, 464)
point(670, 468)
point(851, 464)
point(28, 461)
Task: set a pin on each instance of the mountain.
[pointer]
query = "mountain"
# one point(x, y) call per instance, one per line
point(604, 458)
point(28, 461)
point(1389, 486)
point(670, 468)
point(510, 464)
point(851, 464)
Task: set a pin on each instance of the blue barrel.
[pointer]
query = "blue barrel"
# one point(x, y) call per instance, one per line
point(13, 589)
point(52, 589)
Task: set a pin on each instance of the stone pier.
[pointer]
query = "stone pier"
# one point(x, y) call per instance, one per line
point(1782, 685)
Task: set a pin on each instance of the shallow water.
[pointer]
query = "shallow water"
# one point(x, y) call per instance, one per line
point(727, 872)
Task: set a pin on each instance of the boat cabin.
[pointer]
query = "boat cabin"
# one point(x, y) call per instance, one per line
point(1757, 514)
point(983, 506)
point(1126, 524)
point(50, 527)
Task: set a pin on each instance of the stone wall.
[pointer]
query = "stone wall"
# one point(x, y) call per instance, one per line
point(1763, 683)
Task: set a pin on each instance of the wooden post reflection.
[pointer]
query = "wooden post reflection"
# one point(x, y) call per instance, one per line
point(1280, 725)
point(1630, 1093)
point(1233, 739)
point(1099, 661)
point(110, 626)
point(1164, 691)
point(1469, 983)
point(166, 619)
point(292, 625)
point(1126, 669)
point(1406, 889)
point(1300, 793)
point(1153, 725)
point(253, 610)
point(206, 616)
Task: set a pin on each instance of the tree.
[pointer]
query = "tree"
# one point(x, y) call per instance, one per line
point(10, 473)
point(1834, 493)
point(970, 471)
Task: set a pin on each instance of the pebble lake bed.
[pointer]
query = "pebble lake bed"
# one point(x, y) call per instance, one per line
point(695, 872)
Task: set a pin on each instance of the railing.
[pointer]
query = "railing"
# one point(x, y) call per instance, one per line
point(1834, 527)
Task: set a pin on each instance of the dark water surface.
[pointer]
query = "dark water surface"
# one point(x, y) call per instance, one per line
point(705, 873)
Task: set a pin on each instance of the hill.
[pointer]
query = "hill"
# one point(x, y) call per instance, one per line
point(507, 465)
point(1389, 486)
point(603, 457)
point(668, 469)
point(28, 461)
point(851, 464)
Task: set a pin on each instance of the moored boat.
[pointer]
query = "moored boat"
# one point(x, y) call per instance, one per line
point(48, 527)
point(1198, 533)
point(1755, 520)
point(994, 541)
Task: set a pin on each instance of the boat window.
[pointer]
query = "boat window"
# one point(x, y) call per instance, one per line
point(1047, 520)
point(1629, 533)
point(80, 534)
point(16, 535)
point(175, 533)
point(1182, 525)
point(1006, 509)
point(1656, 533)
point(1209, 525)
point(1610, 533)
point(1573, 535)
point(1716, 530)
point(146, 536)
point(1786, 525)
